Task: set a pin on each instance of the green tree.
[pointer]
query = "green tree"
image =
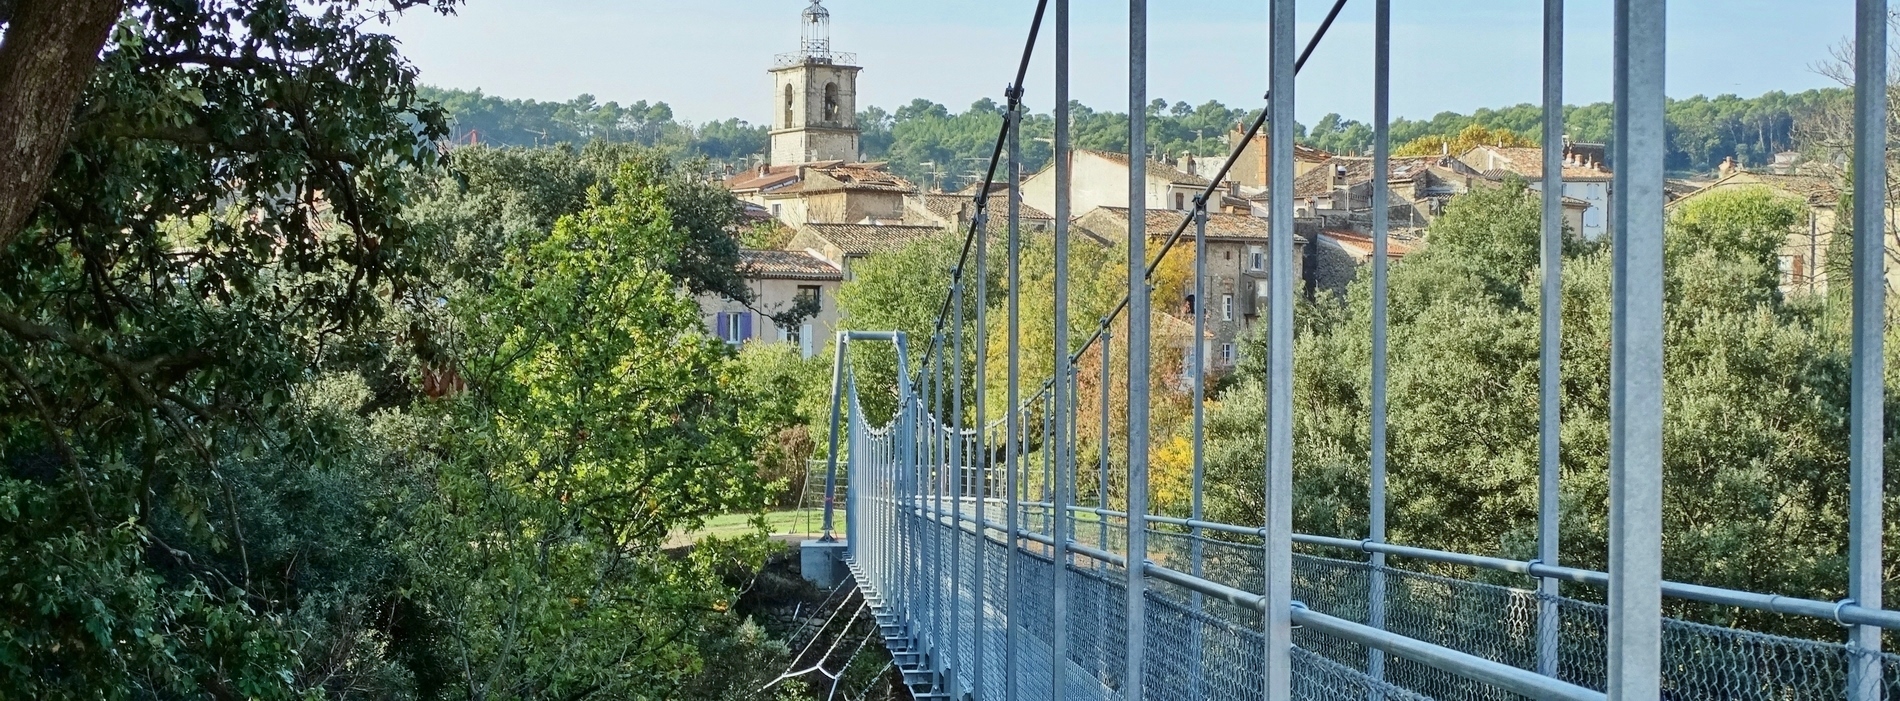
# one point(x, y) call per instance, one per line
point(598, 421)
point(1755, 391)
point(216, 211)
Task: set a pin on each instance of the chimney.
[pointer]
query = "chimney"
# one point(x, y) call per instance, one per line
point(1339, 176)
point(1186, 163)
point(1233, 188)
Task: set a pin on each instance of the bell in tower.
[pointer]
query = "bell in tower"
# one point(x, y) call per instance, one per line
point(815, 90)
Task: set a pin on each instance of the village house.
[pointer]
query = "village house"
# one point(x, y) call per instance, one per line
point(956, 211)
point(1338, 195)
point(1237, 292)
point(778, 280)
point(1585, 177)
point(827, 192)
point(1336, 256)
point(1100, 179)
point(843, 245)
point(1250, 170)
point(1803, 257)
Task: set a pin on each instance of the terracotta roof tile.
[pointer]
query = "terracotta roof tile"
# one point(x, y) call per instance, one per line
point(1528, 162)
point(1174, 175)
point(1319, 181)
point(866, 239)
point(950, 207)
point(786, 265)
point(1162, 223)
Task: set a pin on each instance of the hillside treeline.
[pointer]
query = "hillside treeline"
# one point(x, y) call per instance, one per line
point(935, 146)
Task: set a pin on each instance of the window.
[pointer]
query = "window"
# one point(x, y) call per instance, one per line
point(1790, 267)
point(1256, 258)
point(831, 102)
point(733, 327)
point(1190, 304)
point(1227, 307)
point(1227, 353)
point(813, 293)
point(1180, 201)
point(776, 210)
point(788, 107)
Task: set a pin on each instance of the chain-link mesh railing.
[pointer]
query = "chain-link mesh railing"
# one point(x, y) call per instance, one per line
point(921, 564)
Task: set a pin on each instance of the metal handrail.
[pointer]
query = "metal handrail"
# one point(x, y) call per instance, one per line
point(1843, 612)
point(1463, 664)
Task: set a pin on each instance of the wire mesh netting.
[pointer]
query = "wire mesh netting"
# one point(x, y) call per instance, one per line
point(925, 568)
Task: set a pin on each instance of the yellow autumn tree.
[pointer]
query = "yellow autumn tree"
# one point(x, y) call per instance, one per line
point(1471, 137)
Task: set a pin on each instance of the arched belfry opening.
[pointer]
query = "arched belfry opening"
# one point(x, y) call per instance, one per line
point(831, 102)
point(791, 118)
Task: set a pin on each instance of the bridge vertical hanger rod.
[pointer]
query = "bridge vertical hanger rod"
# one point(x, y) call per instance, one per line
point(1381, 230)
point(1278, 561)
point(979, 607)
point(1866, 452)
point(1013, 460)
point(1636, 355)
point(928, 482)
point(1549, 392)
point(1138, 294)
point(956, 480)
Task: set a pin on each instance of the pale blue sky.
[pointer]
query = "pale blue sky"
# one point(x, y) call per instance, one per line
point(707, 58)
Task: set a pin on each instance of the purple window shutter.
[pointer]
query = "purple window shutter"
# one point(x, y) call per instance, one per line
point(719, 326)
point(745, 325)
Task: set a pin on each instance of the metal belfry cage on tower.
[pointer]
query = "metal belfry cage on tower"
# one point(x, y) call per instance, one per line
point(814, 44)
point(991, 581)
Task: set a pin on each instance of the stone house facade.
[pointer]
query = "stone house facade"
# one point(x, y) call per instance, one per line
point(778, 280)
point(1237, 291)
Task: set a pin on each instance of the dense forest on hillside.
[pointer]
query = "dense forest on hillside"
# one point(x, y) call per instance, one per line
point(932, 145)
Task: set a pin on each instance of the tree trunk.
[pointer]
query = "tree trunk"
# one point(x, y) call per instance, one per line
point(50, 51)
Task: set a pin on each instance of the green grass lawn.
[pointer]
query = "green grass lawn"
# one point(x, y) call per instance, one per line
point(793, 522)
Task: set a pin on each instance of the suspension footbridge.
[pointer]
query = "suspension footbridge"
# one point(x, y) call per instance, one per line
point(990, 579)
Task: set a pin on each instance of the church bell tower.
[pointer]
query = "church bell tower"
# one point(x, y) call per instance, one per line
point(815, 91)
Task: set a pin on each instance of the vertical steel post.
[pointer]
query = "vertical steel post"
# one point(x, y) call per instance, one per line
point(1381, 225)
point(1550, 346)
point(1102, 467)
point(1064, 439)
point(933, 485)
point(1195, 510)
point(1138, 299)
point(979, 606)
point(941, 577)
point(1636, 355)
point(854, 472)
point(831, 458)
point(1198, 438)
point(956, 479)
point(1278, 560)
point(905, 469)
point(1102, 650)
point(1012, 461)
point(1867, 451)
